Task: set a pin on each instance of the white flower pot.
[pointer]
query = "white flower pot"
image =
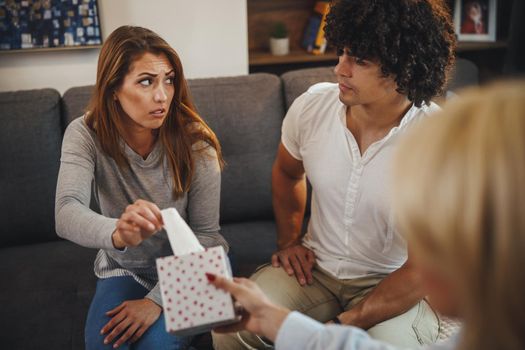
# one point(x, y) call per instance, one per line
point(279, 47)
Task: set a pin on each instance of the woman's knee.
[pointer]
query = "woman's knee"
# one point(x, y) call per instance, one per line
point(110, 293)
point(95, 341)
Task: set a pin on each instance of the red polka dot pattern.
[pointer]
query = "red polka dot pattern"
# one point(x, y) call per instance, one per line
point(190, 302)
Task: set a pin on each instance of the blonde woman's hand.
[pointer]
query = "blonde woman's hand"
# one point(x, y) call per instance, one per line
point(130, 320)
point(139, 221)
point(259, 314)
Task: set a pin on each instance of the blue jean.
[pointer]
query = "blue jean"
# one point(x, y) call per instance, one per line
point(110, 293)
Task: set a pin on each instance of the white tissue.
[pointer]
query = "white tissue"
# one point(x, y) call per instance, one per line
point(181, 237)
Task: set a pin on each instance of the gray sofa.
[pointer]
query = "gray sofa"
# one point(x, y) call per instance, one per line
point(47, 283)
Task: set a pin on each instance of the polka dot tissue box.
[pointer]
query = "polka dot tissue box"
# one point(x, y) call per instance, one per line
point(192, 305)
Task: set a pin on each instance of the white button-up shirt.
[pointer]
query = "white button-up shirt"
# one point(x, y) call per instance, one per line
point(351, 228)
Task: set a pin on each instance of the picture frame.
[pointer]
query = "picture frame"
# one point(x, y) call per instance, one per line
point(475, 20)
point(36, 25)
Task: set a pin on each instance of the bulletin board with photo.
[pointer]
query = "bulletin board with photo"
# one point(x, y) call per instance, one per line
point(42, 24)
point(475, 20)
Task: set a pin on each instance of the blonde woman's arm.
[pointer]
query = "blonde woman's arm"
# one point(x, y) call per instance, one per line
point(290, 330)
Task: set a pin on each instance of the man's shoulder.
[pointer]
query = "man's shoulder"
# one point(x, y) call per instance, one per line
point(430, 109)
point(321, 95)
point(323, 88)
point(321, 92)
point(425, 110)
point(315, 108)
point(418, 114)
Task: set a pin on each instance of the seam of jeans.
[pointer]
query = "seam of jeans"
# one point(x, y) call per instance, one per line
point(260, 267)
point(416, 322)
point(440, 325)
point(421, 312)
point(248, 346)
point(319, 303)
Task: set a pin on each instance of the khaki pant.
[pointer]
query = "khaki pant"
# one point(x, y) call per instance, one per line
point(326, 298)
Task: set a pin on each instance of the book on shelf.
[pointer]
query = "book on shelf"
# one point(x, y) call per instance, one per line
point(314, 40)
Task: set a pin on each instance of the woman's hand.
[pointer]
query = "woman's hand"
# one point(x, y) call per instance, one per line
point(139, 221)
point(131, 319)
point(259, 316)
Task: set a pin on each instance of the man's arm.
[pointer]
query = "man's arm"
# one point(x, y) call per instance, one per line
point(393, 296)
point(288, 197)
point(289, 202)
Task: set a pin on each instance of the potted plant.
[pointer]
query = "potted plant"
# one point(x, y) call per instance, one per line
point(279, 43)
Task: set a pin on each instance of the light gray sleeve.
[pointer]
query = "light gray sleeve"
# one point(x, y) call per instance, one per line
point(204, 198)
point(154, 295)
point(203, 205)
point(301, 332)
point(74, 220)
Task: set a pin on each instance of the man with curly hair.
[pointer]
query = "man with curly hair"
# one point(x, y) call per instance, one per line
point(352, 266)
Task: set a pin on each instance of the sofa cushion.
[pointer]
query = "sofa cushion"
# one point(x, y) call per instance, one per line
point(47, 291)
point(75, 102)
point(30, 140)
point(464, 73)
point(246, 113)
point(252, 244)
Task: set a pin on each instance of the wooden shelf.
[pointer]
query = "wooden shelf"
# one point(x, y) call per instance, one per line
point(264, 58)
point(261, 58)
point(476, 45)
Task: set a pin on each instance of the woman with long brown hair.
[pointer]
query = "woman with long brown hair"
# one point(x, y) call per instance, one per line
point(140, 147)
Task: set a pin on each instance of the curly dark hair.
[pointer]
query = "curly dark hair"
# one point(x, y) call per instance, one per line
point(413, 40)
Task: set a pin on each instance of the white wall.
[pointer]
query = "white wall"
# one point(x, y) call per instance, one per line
point(210, 36)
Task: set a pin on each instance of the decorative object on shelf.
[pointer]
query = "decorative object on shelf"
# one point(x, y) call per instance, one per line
point(30, 24)
point(313, 39)
point(475, 20)
point(279, 42)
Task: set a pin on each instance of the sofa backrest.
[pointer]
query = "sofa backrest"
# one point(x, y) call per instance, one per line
point(246, 114)
point(30, 141)
point(297, 82)
point(75, 102)
point(464, 73)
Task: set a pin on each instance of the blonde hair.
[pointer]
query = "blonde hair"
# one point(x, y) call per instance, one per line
point(459, 197)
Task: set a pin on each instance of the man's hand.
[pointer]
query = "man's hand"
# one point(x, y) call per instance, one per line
point(296, 260)
point(130, 319)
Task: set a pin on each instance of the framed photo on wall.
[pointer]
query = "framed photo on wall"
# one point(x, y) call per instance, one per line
point(475, 20)
point(47, 24)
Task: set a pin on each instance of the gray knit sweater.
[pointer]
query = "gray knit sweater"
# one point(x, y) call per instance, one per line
point(86, 169)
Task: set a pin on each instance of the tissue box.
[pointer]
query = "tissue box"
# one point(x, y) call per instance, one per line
point(191, 304)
